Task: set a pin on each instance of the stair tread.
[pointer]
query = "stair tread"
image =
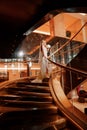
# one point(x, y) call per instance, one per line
point(26, 85)
point(30, 86)
point(29, 89)
point(32, 83)
point(35, 120)
point(18, 104)
point(2, 97)
point(25, 98)
point(24, 102)
point(29, 93)
point(12, 109)
point(27, 104)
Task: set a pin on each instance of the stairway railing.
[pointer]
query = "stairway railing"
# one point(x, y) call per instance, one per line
point(67, 51)
point(66, 105)
point(59, 89)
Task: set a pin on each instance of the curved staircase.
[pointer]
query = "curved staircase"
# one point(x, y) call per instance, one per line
point(28, 106)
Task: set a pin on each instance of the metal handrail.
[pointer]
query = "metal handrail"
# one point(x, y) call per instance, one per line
point(81, 72)
point(73, 49)
point(75, 116)
point(68, 41)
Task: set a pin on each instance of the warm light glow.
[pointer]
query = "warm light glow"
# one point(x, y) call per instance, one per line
point(35, 68)
point(42, 32)
point(30, 64)
point(48, 46)
point(82, 13)
point(13, 66)
point(37, 31)
point(5, 66)
point(21, 54)
point(10, 68)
